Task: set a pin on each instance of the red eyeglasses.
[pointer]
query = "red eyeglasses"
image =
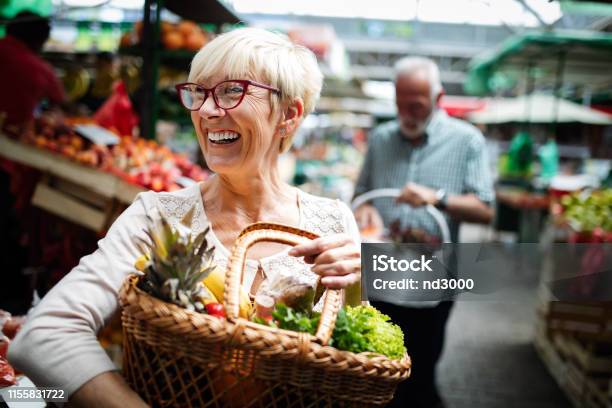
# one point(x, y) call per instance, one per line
point(227, 94)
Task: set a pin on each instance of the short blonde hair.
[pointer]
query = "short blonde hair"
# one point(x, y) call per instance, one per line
point(267, 57)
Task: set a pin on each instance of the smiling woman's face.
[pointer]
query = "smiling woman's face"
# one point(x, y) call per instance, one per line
point(240, 140)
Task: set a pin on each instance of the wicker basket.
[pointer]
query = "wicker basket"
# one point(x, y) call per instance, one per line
point(174, 357)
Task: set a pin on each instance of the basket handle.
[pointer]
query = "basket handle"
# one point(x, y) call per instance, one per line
point(394, 193)
point(283, 234)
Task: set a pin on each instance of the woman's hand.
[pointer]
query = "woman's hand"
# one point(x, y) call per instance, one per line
point(107, 390)
point(336, 258)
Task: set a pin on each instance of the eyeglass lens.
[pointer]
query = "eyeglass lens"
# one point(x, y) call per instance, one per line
point(227, 95)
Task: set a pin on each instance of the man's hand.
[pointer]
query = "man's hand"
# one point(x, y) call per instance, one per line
point(417, 195)
point(368, 218)
point(461, 207)
point(336, 258)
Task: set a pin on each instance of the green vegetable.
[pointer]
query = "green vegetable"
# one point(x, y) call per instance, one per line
point(358, 329)
point(587, 212)
point(289, 319)
point(364, 328)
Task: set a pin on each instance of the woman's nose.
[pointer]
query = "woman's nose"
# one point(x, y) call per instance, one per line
point(210, 110)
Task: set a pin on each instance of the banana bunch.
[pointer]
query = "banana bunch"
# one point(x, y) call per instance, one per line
point(76, 83)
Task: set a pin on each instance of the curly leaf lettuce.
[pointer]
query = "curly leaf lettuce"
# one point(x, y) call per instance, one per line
point(364, 328)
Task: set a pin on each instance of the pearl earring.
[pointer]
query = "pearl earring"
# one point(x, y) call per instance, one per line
point(282, 131)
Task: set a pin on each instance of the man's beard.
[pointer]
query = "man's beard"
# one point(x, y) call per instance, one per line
point(415, 133)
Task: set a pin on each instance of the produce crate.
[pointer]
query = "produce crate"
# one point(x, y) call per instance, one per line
point(586, 321)
point(582, 369)
point(54, 165)
point(591, 357)
point(74, 203)
point(555, 364)
point(595, 396)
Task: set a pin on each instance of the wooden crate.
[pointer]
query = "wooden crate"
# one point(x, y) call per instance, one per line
point(591, 356)
point(55, 165)
point(74, 203)
point(595, 396)
point(581, 369)
point(588, 321)
point(555, 364)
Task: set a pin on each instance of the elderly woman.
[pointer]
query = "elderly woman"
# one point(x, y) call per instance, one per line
point(248, 92)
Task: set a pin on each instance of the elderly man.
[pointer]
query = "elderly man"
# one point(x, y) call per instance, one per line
point(434, 159)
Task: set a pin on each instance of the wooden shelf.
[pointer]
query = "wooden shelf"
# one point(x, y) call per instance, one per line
point(99, 182)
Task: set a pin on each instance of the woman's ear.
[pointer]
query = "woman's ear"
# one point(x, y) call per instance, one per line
point(292, 116)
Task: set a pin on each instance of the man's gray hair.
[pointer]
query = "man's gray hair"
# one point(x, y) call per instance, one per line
point(412, 65)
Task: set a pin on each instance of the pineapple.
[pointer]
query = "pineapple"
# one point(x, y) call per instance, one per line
point(175, 263)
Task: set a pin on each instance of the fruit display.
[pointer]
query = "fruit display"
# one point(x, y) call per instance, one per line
point(76, 82)
point(184, 35)
point(9, 326)
point(136, 160)
point(588, 214)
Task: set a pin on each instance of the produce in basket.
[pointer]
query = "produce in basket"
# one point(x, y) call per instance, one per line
point(358, 329)
point(176, 264)
point(176, 357)
point(180, 268)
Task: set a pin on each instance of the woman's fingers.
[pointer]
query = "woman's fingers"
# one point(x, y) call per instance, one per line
point(334, 254)
point(319, 245)
point(336, 258)
point(338, 268)
point(339, 282)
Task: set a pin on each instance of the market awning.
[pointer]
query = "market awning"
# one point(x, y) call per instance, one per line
point(538, 109)
point(203, 11)
point(586, 58)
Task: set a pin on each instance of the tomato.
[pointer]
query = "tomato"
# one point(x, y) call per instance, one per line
point(215, 309)
point(7, 374)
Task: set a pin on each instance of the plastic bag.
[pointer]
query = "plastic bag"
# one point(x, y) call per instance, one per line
point(117, 112)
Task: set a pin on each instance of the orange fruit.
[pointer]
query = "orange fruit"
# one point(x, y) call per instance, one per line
point(173, 40)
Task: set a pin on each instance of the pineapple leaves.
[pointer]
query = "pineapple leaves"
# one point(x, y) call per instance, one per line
point(178, 261)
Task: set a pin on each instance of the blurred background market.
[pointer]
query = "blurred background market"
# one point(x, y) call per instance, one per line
point(533, 75)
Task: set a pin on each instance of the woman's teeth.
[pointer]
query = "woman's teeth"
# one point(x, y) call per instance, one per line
point(223, 137)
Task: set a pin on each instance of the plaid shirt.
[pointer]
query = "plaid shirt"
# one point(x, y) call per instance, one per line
point(452, 157)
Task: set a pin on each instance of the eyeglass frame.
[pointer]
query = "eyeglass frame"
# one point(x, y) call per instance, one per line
point(208, 91)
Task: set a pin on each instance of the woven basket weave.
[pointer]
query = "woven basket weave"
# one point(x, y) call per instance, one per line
point(175, 357)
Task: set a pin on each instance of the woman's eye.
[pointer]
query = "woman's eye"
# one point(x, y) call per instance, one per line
point(234, 89)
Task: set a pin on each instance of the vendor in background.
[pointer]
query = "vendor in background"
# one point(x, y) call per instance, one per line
point(433, 159)
point(25, 78)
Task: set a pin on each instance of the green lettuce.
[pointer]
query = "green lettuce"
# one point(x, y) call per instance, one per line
point(364, 328)
point(358, 329)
